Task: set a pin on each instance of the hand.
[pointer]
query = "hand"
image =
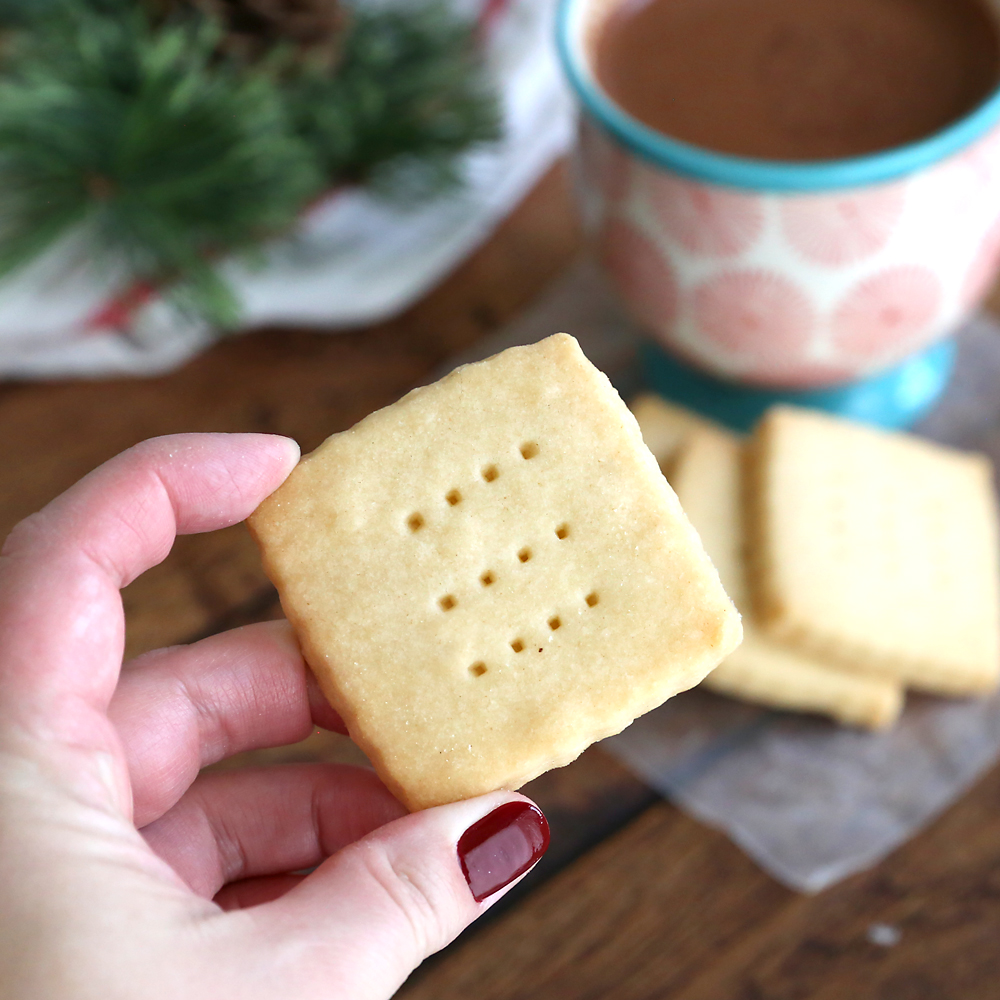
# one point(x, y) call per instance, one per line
point(123, 874)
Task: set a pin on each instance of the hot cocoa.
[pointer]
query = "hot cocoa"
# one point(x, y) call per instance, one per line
point(798, 79)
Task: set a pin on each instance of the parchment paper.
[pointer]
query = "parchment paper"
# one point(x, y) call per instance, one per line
point(812, 803)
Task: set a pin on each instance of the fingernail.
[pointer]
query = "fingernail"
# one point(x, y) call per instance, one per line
point(292, 446)
point(502, 845)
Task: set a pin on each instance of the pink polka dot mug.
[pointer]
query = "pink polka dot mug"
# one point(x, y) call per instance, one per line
point(795, 275)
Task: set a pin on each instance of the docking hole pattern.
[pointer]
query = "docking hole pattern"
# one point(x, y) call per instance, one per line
point(490, 473)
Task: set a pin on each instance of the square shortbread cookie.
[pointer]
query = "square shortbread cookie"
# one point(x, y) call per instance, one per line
point(707, 477)
point(876, 550)
point(491, 574)
point(665, 426)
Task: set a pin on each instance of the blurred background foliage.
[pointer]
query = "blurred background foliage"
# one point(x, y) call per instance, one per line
point(173, 132)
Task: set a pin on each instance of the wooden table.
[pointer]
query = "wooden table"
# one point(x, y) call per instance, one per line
point(635, 900)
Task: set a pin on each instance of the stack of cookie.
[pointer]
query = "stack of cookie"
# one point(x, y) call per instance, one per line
point(864, 562)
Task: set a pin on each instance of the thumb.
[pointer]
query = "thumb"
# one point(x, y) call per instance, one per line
point(369, 915)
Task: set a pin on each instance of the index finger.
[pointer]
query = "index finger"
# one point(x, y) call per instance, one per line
point(61, 619)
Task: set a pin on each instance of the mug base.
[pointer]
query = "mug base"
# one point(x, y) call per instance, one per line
point(896, 398)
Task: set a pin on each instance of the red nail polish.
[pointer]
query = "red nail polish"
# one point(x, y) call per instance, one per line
point(502, 845)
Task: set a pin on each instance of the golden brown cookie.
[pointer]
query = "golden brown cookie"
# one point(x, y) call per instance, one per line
point(707, 479)
point(876, 550)
point(491, 574)
point(665, 426)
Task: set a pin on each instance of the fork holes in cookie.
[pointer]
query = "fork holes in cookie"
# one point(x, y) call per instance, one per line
point(454, 498)
point(524, 555)
point(592, 599)
point(488, 579)
point(529, 450)
point(415, 522)
point(562, 531)
point(517, 645)
point(477, 669)
point(447, 602)
point(554, 623)
point(490, 473)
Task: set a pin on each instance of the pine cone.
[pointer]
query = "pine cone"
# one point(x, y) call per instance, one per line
point(255, 26)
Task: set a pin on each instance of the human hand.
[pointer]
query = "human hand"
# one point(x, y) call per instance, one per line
point(126, 875)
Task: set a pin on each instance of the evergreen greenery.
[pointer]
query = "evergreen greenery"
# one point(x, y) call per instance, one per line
point(139, 123)
point(401, 104)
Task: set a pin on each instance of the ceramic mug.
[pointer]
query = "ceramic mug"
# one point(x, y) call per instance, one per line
point(788, 275)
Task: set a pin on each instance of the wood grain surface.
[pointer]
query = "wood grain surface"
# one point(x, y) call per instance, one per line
point(669, 909)
point(635, 900)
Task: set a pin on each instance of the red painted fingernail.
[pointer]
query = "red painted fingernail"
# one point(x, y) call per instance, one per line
point(502, 845)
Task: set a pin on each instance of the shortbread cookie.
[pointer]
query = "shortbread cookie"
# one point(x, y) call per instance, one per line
point(768, 674)
point(707, 479)
point(491, 574)
point(665, 426)
point(876, 550)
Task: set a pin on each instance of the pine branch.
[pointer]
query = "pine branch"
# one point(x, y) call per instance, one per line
point(137, 135)
point(134, 120)
point(409, 94)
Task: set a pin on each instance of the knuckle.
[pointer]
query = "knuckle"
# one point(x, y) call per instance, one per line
point(24, 536)
point(418, 895)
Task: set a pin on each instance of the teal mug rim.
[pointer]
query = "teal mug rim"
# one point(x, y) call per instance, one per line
point(757, 174)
